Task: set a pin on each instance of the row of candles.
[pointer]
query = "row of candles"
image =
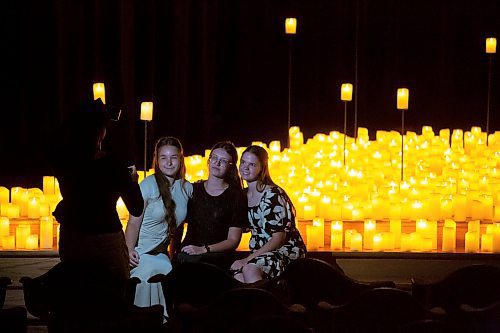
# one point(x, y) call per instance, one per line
point(424, 239)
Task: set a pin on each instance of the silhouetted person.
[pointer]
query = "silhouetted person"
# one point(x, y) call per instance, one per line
point(91, 182)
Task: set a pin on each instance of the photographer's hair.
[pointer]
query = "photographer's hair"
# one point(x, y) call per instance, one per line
point(232, 176)
point(84, 128)
point(264, 177)
point(164, 184)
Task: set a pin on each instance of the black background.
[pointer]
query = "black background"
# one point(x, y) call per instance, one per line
point(218, 69)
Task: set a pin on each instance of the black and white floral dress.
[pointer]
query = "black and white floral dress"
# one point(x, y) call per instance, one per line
point(274, 213)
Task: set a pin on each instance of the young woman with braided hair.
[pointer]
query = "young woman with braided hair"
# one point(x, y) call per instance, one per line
point(165, 195)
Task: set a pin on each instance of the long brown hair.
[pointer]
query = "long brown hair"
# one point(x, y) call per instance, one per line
point(164, 184)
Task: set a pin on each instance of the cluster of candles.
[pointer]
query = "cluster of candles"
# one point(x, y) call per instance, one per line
point(26, 221)
point(451, 178)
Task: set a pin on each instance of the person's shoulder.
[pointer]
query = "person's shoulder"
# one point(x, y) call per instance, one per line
point(186, 186)
point(148, 184)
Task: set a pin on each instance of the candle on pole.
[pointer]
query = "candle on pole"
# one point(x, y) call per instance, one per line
point(345, 96)
point(99, 92)
point(146, 116)
point(491, 48)
point(290, 30)
point(402, 104)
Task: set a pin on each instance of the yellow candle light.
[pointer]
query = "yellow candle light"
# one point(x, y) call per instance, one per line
point(22, 233)
point(369, 231)
point(309, 212)
point(32, 242)
point(46, 232)
point(4, 195)
point(275, 146)
point(403, 96)
point(147, 111)
point(449, 242)
point(319, 223)
point(121, 209)
point(4, 226)
point(44, 209)
point(460, 207)
point(346, 92)
point(357, 215)
point(471, 241)
point(99, 91)
point(491, 45)
point(406, 242)
point(395, 228)
point(348, 237)
point(291, 26)
point(336, 240)
point(49, 185)
point(8, 242)
point(313, 237)
point(356, 242)
point(33, 208)
point(378, 242)
point(13, 211)
point(487, 243)
point(245, 241)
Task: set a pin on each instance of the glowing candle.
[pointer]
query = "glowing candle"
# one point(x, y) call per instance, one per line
point(336, 240)
point(348, 237)
point(471, 241)
point(275, 146)
point(291, 26)
point(449, 236)
point(369, 232)
point(46, 232)
point(245, 241)
point(486, 242)
point(32, 242)
point(147, 111)
point(346, 92)
point(4, 195)
point(49, 185)
point(121, 209)
point(403, 96)
point(319, 223)
point(8, 242)
point(13, 211)
point(22, 233)
point(58, 232)
point(313, 237)
point(459, 207)
point(33, 208)
point(309, 212)
point(491, 45)
point(4, 226)
point(44, 209)
point(406, 243)
point(99, 91)
point(377, 242)
point(395, 228)
point(357, 215)
point(356, 242)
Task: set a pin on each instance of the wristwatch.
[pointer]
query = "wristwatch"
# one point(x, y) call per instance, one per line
point(207, 248)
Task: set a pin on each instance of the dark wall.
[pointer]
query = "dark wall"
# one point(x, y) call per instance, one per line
point(218, 69)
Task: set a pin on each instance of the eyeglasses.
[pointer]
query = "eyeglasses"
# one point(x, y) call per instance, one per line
point(214, 159)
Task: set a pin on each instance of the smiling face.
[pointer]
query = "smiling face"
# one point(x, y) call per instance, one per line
point(169, 161)
point(250, 167)
point(219, 163)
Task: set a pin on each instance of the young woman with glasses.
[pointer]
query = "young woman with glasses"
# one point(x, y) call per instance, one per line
point(275, 240)
point(216, 211)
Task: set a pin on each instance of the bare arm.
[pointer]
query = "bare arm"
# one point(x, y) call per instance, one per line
point(132, 234)
point(229, 244)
